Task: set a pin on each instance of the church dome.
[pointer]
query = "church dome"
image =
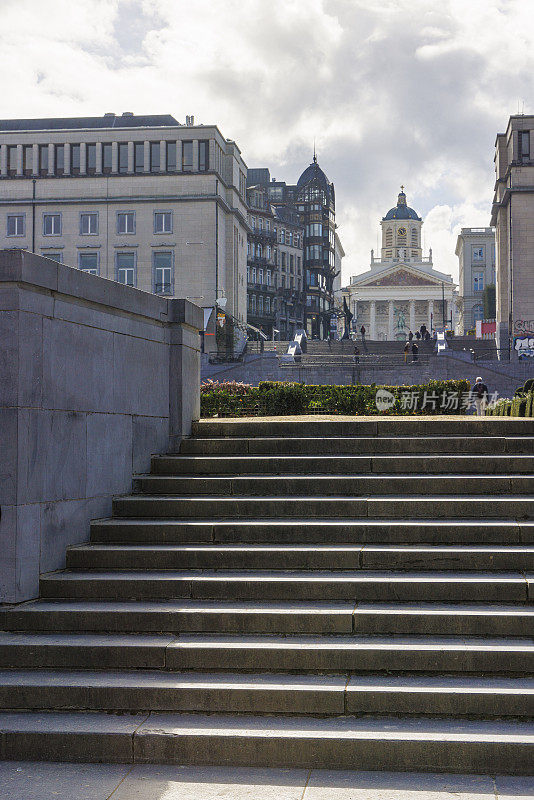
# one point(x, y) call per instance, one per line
point(402, 210)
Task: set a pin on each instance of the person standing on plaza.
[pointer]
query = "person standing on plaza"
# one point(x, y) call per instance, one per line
point(480, 393)
point(410, 336)
point(406, 351)
point(362, 331)
point(415, 351)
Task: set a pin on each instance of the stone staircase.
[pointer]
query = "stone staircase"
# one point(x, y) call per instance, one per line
point(337, 594)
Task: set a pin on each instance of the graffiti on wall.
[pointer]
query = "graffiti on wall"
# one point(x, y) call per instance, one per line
point(524, 326)
point(524, 345)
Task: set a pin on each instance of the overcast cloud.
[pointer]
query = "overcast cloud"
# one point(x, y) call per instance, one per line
point(397, 91)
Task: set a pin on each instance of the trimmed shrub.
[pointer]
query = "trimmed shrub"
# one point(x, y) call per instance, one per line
point(279, 398)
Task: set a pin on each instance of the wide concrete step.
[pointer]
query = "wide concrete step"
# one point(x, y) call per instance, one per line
point(326, 507)
point(305, 531)
point(332, 654)
point(300, 557)
point(482, 464)
point(358, 445)
point(355, 585)
point(156, 690)
point(339, 742)
point(365, 426)
point(209, 616)
point(334, 485)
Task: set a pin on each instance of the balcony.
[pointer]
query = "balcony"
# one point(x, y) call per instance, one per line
point(260, 261)
point(263, 236)
point(261, 287)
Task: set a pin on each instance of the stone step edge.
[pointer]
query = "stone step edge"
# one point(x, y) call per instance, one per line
point(425, 744)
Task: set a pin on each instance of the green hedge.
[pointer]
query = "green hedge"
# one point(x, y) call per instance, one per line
point(522, 405)
point(273, 398)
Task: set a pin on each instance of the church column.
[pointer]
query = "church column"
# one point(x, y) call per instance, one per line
point(430, 314)
point(412, 316)
point(390, 321)
point(372, 320)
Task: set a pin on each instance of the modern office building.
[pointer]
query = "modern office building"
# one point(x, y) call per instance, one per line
point(475, 248)
point(143, 200)
point(313, 197)
point(513, 218)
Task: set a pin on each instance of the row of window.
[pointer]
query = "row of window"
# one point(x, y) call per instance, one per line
point(52, 159)
point(282, 258)
point(266, 278)
point(284, 236)
point(126, 267)
point(89, 223)
point(263, 304)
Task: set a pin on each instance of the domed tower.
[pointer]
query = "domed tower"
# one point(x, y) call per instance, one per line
point(401, 232)
point(315, 200)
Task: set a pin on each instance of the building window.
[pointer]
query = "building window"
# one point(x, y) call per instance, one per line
point(254, 274)
point(478, 313)
point(187, 156)
point(253, 303)
point(267, 305)
point(171, 156)
point(268, 277)
point(203, 155)
point(27, 159)
point(89, 224)
point(154, 157)
point(12, 159)
point(478, 254)
point(126, 222)
point(478, 281)
point(107, 157)
point(163, 222)
point(291, 262)
point(91, 159)
point(123, 157)
point(260, 276)
point(260, 304)
point(524, 145)
point(163, 272)
point(139, 157)
point(16, 225)
point(51, 224)
point(260, 223)
point(60, 159)
point(53, 256)
point(88, 262)
point(259, 251)
point(125, 267)
point(282, 236)
point(75, 159)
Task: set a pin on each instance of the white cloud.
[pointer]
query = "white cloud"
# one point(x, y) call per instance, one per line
point(393, 91)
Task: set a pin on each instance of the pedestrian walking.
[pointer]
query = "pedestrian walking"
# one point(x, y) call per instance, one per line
point(417, 335)
point(415, 351)
point(410, 336)
point(406, 351)
point(480, 392)
point(362, 331)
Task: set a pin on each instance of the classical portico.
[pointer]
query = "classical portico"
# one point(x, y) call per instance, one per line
point(401, 290)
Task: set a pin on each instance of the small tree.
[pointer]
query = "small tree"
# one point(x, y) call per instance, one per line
point(489, 302)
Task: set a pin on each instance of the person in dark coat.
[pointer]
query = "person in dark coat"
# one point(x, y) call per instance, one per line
point(415, 351)
point(410, 336)
point(480, 392)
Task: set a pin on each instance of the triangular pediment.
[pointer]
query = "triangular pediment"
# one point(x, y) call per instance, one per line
point(400, 276)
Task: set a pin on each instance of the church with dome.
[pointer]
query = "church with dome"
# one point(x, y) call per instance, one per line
point(401, 290)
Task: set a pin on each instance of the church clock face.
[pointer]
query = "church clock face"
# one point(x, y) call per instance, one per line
point(402, 231)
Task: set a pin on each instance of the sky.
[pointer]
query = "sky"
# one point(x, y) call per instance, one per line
point(393, 92)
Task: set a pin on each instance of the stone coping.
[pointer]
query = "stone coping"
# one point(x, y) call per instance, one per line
point(25, 268)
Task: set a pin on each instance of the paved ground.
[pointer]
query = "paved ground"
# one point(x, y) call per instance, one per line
point(44, 781)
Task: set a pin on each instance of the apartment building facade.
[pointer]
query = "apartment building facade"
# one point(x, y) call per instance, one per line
point(475, 249)
point(513, 218)
point(275, 266)
point(143, 200)
point(313, 198)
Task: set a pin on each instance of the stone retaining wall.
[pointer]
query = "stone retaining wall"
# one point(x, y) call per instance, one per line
point(94, 378)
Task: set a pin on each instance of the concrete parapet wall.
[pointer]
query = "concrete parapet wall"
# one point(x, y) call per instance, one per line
point(94, 378)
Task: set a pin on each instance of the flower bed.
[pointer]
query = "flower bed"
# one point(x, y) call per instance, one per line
point(273, 398)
